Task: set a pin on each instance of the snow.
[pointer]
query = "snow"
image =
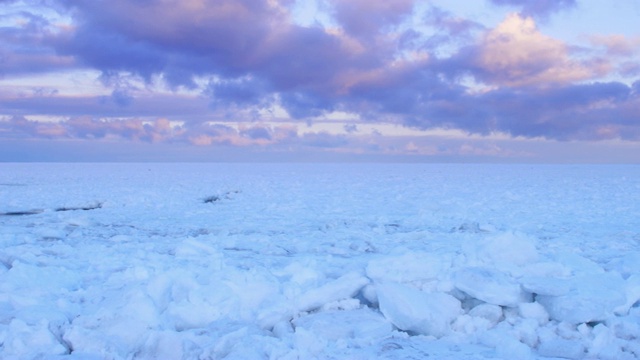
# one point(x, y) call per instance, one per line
point(319, 261)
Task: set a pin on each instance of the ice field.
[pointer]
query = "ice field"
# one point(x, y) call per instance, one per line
point(319, 261)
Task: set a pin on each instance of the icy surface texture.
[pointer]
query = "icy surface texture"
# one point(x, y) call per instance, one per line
point(319, 261)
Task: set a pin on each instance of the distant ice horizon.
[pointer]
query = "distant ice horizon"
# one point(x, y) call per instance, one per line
point(78, 151)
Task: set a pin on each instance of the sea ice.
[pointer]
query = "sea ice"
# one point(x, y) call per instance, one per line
point(502, 250)
point(533, 311)
point(561, 348)
point(408, 268)
point(416, 311)
point(492, 313)
point(362, 326)
point(490, 285)
point(318, 261)
point(591, 297)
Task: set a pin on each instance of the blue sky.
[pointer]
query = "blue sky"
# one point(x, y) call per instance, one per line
point(334, 80)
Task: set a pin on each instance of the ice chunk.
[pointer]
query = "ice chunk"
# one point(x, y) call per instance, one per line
point(626, 327)
point(192, 248)
point(543, 285)
point(534, 311)
point(30, 341)
point(231, 340)
point(200, 305)
point(490, 286)
point(507, 347)
point(627, 265)
point(546, 269)
point(504, 249)
point(344, 287)
point(40, 279)
point(561, 348)
point(309, 345)
point(120, 325)
point(579, 265)
point(482, 317)
point(632, 291)
point(492, 313)
point(363, 325)
point(591, 298)
point(526, 330)
point(605, 345)
point(416, 311)
point(302, 274)
point(166, 345)
point(408, 267)
point(369, 294)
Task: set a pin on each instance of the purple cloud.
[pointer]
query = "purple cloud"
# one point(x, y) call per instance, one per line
point(240, 92)
point(453, 26)
point(579, 112)
point(25, 48)
point(367, 18)
point(539, 8)
point(252, 56)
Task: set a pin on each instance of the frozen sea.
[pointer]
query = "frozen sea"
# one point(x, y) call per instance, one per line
point(319, 261)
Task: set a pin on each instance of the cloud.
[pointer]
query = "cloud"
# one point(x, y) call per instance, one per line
point(617, 45)
point(538, 8)
point(141, 130)
point(324, 140)
point(243, 92)
point(179, 38)
point(236, 60)
point(25, 45)
point(515, 53)
point(251, 48)
point(455, 27)
point(365, 19)
point(84, 127)
point(572, 112)
point(350, 128)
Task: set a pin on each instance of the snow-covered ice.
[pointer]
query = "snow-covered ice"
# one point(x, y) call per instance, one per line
point(319, 261)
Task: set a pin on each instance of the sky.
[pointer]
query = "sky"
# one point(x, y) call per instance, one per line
point(320, 80)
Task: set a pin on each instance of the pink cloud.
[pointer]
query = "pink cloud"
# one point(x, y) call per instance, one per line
point(515, 53)
point(617, 45)
point(245, 135)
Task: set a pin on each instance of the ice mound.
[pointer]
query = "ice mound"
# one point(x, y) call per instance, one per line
point(409, 267)
point(40, 279)
point(590, 298)
point(361, 324)
point(115, 327)
point(20, 340)
point(492, 313)
point(502, 250)
point(561, 348)
point(343, 287)
point(332, 293)
point(534, 311)
point(545, 285)
point(416, 311)
point(627, 265)
point(577, 265)
point(490, 286)
point(632, 291)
